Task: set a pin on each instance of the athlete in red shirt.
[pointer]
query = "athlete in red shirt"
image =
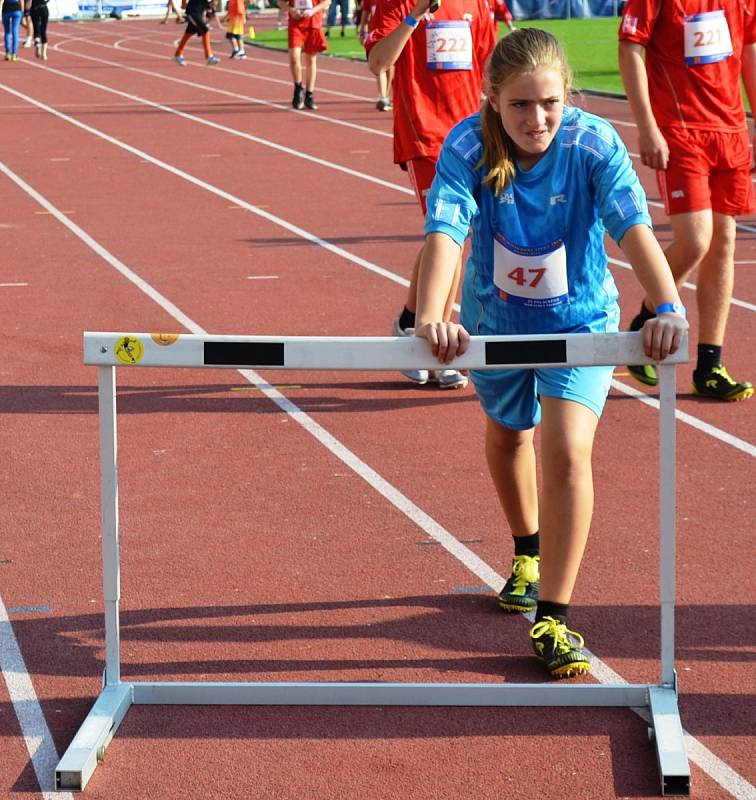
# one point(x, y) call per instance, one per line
point(687, 103)
point(439, 59)
point(305, 34)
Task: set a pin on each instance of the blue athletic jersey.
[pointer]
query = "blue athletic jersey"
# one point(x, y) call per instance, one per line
point(538, 261)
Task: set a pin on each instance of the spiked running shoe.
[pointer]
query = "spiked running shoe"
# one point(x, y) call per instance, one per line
point(718, 384)
point(645, 373)
point(415, 375)
point(297, 101)
point(448, 378)
point(520, 592)
point(559, 648)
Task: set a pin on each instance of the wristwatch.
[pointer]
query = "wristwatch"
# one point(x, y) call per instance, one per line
point(671, 308)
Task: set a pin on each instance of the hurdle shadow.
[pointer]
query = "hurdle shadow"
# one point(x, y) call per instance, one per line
point(243, 398)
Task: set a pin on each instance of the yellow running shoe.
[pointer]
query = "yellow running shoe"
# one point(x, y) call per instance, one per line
point(559, 648)
point(520, 592)
point(718, 384)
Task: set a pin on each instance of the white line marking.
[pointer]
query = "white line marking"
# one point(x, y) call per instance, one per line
point(262, 277)
point(37, 736)
point(232, 131)
point(235, 132)
point(13, 284)
point(686, 285)
point(718, 770)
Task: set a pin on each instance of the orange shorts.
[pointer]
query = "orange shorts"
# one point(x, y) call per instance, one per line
point(707, 169)
point(421, 173)
point(309, 38)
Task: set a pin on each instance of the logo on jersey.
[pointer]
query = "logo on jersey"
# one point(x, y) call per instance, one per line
point(678, 193)
point(629, 24)
point(557, 198)
point(507, 197)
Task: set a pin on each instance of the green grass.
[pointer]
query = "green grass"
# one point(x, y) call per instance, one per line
point(591, 46)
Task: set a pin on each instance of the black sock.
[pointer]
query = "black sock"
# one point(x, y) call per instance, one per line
point(546, 608)
point(641, 318)
point(406, 319)
point(709, 356)
point(527, 545)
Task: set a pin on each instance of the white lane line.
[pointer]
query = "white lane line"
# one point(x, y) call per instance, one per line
point(209, 188)
point(305, 115)
point(731, 781)
point(31, 720)
point(741, 303)
point(9, 285)
point(231, 131)
point(310, 237)
point(397, 187)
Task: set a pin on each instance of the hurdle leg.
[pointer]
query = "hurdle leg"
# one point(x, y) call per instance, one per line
point(667, 729)
point(88, 746)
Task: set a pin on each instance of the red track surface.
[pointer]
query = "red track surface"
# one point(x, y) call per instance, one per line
point(249, 551)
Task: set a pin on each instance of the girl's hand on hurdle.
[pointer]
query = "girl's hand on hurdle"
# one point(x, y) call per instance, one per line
point(663, 335)
point(447, 339)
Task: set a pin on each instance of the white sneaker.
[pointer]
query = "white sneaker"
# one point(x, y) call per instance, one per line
point(448, 378)
point(212, 60)
point(180, 60)
point(419, 376)
point(28, 41)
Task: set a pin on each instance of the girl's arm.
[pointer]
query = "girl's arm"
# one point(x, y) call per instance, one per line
point(663, 334)
point(437, 266)
point(384, 53)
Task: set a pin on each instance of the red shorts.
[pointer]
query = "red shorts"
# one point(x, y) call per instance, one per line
point(707, 169)
point(421, 173)
point(309, 37)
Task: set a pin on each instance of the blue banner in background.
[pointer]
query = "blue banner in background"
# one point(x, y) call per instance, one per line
point(562, 9)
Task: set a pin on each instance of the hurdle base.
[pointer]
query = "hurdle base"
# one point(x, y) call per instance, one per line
point(96, 732)
point(88, 746)
point(668, 737)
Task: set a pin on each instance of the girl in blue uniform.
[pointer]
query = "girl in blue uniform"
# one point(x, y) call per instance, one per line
point(539, 184)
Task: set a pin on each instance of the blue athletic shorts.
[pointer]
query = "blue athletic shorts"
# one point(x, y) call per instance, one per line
point(510, 396)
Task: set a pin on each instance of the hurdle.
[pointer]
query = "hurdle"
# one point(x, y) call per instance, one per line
point(108, 351)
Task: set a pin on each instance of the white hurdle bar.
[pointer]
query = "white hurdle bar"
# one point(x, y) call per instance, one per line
point(110, 350)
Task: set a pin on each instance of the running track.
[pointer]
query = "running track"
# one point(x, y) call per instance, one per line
point(139, 196)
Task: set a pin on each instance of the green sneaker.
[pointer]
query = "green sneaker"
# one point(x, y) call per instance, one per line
point(520, 592)
point(645, 373)
point(718, 384)
point(559, 648)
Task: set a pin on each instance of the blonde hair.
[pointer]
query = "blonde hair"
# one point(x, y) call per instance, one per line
point(522, 51)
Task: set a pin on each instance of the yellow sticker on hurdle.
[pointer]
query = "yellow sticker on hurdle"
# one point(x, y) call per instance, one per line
point(164, 339)
point(129, 350)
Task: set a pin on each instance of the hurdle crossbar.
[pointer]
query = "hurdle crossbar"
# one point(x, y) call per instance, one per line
point(110, 350)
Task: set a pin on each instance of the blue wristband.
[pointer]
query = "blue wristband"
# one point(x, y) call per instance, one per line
point(671, 308)
point(411, 21)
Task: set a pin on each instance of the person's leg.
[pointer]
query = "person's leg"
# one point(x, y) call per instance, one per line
point(6, 35)
point(15, 31)
point(311, 71)
point(566, 507)
point(182, 44)
point(510, 456)
point(567, 433)
point(691, 239)
point(512, 465)
point(344, 5)
point(331, 18)
point(716, 276)
point(295, 64)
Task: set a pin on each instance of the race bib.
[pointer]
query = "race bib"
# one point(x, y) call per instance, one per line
point(707, 38)
point(448, 44)
point(303, 5)
point(535, 277)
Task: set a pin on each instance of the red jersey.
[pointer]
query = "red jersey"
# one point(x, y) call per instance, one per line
point(693, 58)
point(305, 23)
point(438, 76)
point(237, 8)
